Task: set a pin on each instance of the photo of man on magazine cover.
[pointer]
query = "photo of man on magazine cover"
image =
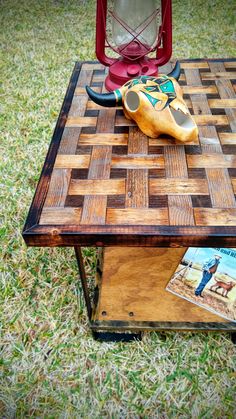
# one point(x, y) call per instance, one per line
point(209, 268)
point(207, 278)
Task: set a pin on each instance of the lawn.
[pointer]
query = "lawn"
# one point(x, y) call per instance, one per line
point(50, 366)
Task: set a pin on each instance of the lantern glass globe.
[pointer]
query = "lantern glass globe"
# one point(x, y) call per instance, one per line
point(130, 18)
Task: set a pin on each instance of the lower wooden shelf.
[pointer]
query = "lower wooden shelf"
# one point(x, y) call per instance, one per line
point(132, 294)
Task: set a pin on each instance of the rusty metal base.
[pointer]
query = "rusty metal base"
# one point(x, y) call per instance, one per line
point(116, 336)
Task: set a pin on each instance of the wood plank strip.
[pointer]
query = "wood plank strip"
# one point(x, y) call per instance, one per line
point(138, 162)
point(180, 206)
point(178, 186)
point(226, 75)
point(94, 208)
point(99, 167)
point(93, 66)
point(180, 210)
point(218, 181)
point(226, 91)
point(122, 121)
point(212, 161)
point(137, 188)
point(207, 141)
point(137, 144)
point(137, 179)
point(60, 216)
point(175, 162)
point(103, 139)
point(230, 64)
point(138, 216)
point(169, 141)
point(199, 89)
point(81, 121)
point(97, 187)
point(76, 161)
point(215, 216)
point(69, 141)
point(98, 78)
point(78, 106)
point(211, 120)
point(58, 188)
point(222, 103)
point(192, 64)
point(79, 161)
point(227, 137)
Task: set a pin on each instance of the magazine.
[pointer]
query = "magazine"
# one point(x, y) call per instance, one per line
point(207, 277)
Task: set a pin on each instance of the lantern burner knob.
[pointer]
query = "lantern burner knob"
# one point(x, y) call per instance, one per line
point(133, 70)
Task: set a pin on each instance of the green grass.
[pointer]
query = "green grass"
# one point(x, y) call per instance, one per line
point(49, 364)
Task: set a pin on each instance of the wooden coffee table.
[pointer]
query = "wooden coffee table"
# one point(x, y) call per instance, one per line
point(142, 200)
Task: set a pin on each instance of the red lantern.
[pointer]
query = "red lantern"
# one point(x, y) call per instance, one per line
point(136, 33)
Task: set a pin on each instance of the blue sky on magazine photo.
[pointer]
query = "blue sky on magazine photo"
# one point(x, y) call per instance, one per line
point(227, 263)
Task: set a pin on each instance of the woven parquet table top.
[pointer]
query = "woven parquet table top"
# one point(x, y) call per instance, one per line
point(106, 183)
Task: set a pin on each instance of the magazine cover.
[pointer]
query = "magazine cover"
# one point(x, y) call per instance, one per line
point(207, 277)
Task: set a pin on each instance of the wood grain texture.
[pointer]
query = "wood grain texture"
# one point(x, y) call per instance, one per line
point(214, 160)
point(105, 183)
point(133, 216)
point(104, 139)
point(94, 208)
point(178, 186)
point(97, 187)
point(60, 216)
point(215, 163)
point(227, 137)
point(194, 64)
point(123, 276)
point(180, 206)
point(75, 161)
point(225, 90)
point(215, 216)
point(78, 105)
point(225, 75)
point(222, 103)
point(138, 162)
point(229, 63)
point(137, 179)
point(196, 90)
point(81, 121)
point(58, 188)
